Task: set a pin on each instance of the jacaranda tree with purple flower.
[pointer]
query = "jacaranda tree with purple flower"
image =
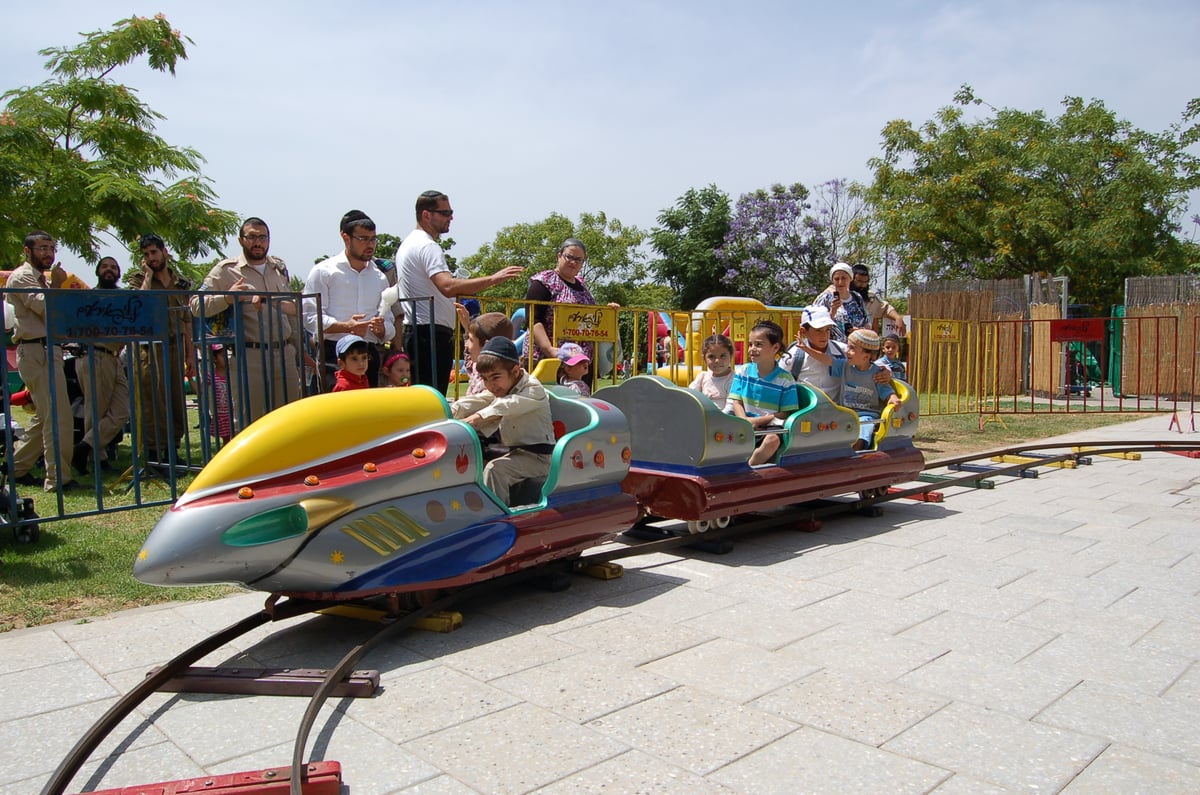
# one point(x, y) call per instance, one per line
point(776, 250)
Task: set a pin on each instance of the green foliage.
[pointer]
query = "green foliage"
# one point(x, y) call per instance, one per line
point(388, 245)
point(79, 156)
point(1084, 195)
point(612, 250)
point(686, 240)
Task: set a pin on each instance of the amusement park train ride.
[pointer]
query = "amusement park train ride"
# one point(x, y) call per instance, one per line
point(350, 495)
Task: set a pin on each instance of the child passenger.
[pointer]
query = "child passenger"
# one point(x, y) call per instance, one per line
point(574, 367)
point(397, 370)
point(519, 407)
point(353, 361)
point(480, 329)
point(761, 392)
point(861, 391)
point(891, 357)
point(714, 382)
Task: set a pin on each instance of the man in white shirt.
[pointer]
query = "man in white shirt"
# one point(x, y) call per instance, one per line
point(429, 290)
point(351, 288)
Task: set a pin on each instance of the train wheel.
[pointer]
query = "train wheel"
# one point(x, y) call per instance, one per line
point(699, 526)
point(722, 522)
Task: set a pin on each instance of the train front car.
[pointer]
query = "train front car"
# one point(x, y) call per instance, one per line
point(690, 460)
point(378, 491)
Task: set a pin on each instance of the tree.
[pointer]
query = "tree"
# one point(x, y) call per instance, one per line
point(612, 251)
point(687, 239)
point(775, 249)
point(79, 156)
point(1084, 195)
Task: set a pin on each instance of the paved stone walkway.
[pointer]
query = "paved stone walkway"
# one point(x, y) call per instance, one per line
point(1042, 636)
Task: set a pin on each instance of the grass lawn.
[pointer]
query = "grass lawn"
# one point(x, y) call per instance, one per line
point(81, 567)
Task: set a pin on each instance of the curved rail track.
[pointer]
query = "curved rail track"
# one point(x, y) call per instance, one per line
point(291, 608)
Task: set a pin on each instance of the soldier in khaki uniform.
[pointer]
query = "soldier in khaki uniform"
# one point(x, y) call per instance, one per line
point(270, 329)
point(37, 366)
point(157, 438)
point(110, 401)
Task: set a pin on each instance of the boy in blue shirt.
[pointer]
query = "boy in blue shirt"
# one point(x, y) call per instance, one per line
point(762, 392)
point(891, 357)
point(860, 392)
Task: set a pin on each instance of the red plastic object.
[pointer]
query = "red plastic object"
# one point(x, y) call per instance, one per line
point(324, 778)
point(925, 496)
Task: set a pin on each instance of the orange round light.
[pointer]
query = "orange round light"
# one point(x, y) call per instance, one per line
point(912, 415)
point(370, 467)
point(833, 426)
point(312, 480)
point(419, 452)
point(245, 493)
point(626, 455)
point(822, 427)
point(720, 437)
point(598, 458)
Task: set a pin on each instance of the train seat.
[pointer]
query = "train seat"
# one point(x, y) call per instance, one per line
point(569, 417)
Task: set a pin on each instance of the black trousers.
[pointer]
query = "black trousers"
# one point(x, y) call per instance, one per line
point(432, 353)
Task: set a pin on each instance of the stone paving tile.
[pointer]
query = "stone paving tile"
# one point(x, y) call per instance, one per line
point(1082, 657)
point(1068, 564)
point(973, 599)
point(369, 762)
point(998, 748)
point(634, 772)
point(1121, 769)
point(671, 604)
point(766, 588)
point(585, 687)
point(1003, 641)
point(1101, 523)
point(883, 581)
point(190, 725)
point(1181, 638)
point(765, 627)
point(1155, 554)
point(515, 750)
point(66, 684)
point(26, 650)
point(1157, 602)
point(692, 729)
point(44, 740)
point(441, 785)
point(812, 761)
point(970, 679)
point(972, 549)
point(1163, 726)
point(428, 700)
point(1184, 540)
point(508, 655)
point(959, 784)
point(149, 764)
point(1186, 686)
point(731, 670)
point(1103, 625)
point(633, 638)
point(958, 567)
point(884, 555)
point(866, 712)
point(1090, 592)
point(1146, 575)
point(1059, 541)
point(870, 611)
point(133, 642)
point(544, 612)
point(866, 653)
point(811, 565)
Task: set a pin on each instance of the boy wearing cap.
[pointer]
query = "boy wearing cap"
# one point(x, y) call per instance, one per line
point(816, 326)
point(353, 360)
point(861, 391)
point(574, 367)
point(519, 407)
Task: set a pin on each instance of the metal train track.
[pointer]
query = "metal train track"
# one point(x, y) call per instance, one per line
point(291, 608)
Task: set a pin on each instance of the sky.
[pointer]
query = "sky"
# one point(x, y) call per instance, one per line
point(304, 110)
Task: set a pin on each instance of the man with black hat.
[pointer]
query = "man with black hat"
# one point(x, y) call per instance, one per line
point(351, 290)
point(517, 405)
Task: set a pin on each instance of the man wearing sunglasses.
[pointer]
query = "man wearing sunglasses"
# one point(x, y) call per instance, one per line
point(430, 289)
point(351, 290)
